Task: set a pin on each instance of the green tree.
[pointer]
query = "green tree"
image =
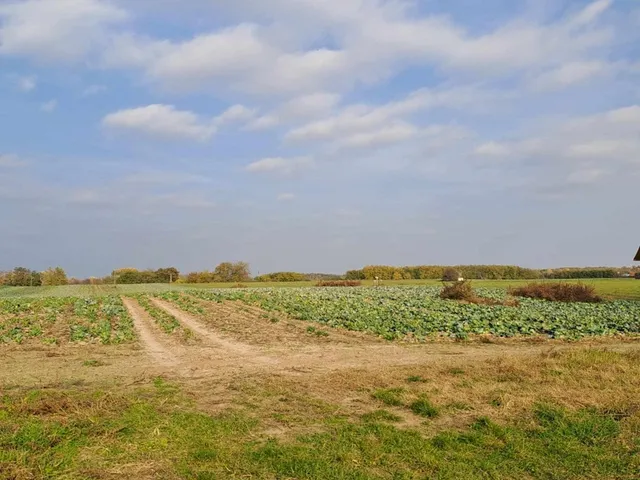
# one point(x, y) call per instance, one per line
point(165, 275)
point(23, 277)
point(54, 276)
point(232, 272)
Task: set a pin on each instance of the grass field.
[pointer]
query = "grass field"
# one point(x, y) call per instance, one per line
point(136, 382)
point(623, 289)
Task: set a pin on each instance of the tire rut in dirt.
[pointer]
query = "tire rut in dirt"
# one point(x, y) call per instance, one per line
point(160, 354)
point(231, 347)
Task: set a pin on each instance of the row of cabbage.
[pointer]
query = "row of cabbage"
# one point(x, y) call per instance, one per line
point(419, 313)
point(55, 320)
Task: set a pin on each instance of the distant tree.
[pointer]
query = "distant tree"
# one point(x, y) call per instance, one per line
point(232, 272)
point(282, 277)
point(450, 275)
point(355, 275)
point(54, 276)
point(22, 277)
point(164, 275)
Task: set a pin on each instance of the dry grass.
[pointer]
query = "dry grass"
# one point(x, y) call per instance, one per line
point(502, 388)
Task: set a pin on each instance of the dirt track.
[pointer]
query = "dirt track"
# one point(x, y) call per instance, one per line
point(218, 352)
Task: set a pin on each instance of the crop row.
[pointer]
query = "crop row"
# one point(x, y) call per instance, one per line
point(53, 320)
point(185, 302)
point(418, 312)
point(168, 323)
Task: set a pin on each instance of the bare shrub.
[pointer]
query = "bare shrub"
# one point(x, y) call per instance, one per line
point(459, 291)
point(464, 292)
point(558, 292)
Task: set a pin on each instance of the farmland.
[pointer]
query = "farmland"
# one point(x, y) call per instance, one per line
point(138, 381)
point(622, 289)
point(53, 320)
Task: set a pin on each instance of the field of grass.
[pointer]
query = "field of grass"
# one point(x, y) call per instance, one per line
point(619, 288)
point(157, 430)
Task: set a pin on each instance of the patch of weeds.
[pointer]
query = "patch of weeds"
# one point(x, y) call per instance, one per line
point(380, 416)
point(163, 387)
point(424, 408)
point(188, 335)
point(93, 363)
point(316, 332)
point(416, 379)
point(390, 396)
point(456, 371)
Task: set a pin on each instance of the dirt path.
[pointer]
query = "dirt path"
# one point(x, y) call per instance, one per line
point(159, 352)
point(229, 347)
point(276, 354)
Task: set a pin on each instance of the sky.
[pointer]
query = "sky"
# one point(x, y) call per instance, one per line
point(318, 135)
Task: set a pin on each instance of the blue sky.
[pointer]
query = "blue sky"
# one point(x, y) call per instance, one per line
point(318, 135)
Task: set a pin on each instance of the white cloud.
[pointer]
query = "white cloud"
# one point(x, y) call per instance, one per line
point(59, 30)
point(302, 107)
point(279, 165)
point(163, 121)
point(49, 106)
point(581, 150)
point(571, 74)
point(373, 40)
point(286, 197)
point(393, 133)
point(236, 113)
point(27, 84)
point(360, 125)
point(492, 149)
point(264, 122)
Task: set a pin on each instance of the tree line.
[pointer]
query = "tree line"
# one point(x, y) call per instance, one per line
point(482, 272)
point(24, 277)
point(239, 272)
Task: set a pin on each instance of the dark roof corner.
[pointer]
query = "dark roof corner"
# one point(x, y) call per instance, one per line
point(637, 259)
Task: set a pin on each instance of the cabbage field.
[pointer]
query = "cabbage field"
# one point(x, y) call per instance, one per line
point(418, 312)
point(54, 320)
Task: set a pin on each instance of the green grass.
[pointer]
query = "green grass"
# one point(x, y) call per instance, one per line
point(390, 396)
point(424, 408)
point(619, 288)
point(156, 432)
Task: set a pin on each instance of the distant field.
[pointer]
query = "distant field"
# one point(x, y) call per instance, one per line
point(622, 289)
